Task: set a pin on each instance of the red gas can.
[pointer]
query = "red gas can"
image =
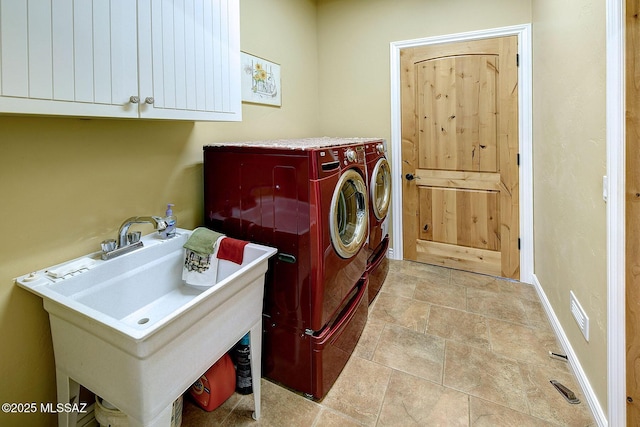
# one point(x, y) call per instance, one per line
point(216, 385)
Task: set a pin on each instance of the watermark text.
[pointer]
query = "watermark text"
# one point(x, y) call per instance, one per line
point(45, 407)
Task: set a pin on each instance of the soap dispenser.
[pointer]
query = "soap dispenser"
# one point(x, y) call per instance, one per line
point(171, 220)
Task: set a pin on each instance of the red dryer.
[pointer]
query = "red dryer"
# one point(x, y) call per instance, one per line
point(308, 198)
point(379, 183)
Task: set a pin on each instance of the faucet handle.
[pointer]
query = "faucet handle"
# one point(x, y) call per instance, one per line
point(108, 245)
point(133, 237)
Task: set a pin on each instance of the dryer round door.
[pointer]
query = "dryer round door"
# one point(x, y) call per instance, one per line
point(380, 189)
point(349, 214)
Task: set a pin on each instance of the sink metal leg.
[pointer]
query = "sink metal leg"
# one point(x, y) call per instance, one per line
point(256, 365)
point(68, 392)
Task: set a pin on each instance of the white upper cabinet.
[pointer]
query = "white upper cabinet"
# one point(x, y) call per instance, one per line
point(189, 55)
point(68, 57)
point(160, 59)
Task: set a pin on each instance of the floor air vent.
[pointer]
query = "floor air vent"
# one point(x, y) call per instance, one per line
point(581, 317)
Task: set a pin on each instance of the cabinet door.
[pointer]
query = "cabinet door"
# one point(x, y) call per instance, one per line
point(189, 59)
point(68, 57)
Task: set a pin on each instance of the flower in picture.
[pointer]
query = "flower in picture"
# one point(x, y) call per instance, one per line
point(260, 80)
point(263, 83)
point(260, 75)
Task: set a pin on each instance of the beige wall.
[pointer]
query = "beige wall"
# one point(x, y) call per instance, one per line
point(66, 184)
point(569, 162)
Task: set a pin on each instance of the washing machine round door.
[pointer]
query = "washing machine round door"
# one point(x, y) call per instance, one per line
point(380, 189)
point(349, 214)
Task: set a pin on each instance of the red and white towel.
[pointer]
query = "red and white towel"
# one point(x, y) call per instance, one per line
point(203, 250)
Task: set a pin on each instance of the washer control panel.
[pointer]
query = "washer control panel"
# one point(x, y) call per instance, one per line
point(375, 149)
point(351, 154)
point(330, 159)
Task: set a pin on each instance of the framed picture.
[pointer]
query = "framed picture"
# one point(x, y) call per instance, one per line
point(260, 80)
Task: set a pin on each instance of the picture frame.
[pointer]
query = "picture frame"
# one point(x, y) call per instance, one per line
point(261, 82)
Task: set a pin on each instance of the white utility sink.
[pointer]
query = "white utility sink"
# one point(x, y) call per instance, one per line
point(129, 330)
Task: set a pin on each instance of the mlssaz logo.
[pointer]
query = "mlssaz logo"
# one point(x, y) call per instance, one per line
point(52, 408)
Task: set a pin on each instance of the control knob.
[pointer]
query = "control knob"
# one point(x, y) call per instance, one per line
point(380, 148)
point(350, 154)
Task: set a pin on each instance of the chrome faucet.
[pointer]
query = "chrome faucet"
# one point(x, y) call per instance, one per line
point(157, 222)
point(126, 241)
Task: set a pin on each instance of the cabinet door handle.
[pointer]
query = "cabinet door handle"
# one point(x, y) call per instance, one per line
point(149, 100)
point(134, 99)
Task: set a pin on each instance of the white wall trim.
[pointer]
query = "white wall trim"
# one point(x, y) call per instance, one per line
point(585, 385)
point(526, 147)
point(390, 254)
point(615, 134)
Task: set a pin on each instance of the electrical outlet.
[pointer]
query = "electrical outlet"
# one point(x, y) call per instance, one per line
point(579, 315)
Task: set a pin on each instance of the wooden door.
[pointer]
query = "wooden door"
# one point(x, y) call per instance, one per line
point(632, 212)
point(460, 155)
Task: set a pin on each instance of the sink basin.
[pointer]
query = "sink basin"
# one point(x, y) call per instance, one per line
point(131, 331)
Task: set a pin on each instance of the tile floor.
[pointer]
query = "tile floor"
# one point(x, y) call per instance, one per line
point(441, 348)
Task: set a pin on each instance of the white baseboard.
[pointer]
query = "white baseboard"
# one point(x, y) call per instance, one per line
point(592, 400)
point(390, 253)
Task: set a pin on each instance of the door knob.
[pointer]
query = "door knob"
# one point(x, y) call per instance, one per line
point(409, 177)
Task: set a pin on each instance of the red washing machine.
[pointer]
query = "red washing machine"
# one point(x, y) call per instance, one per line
point(379, 184)
point(309, 199)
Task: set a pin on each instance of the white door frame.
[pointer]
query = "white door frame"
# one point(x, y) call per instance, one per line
point(616, 323)
point(525, 140)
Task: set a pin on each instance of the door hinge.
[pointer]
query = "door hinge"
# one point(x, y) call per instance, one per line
point(518, 243)
point(517, 59)
point(518, 159)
